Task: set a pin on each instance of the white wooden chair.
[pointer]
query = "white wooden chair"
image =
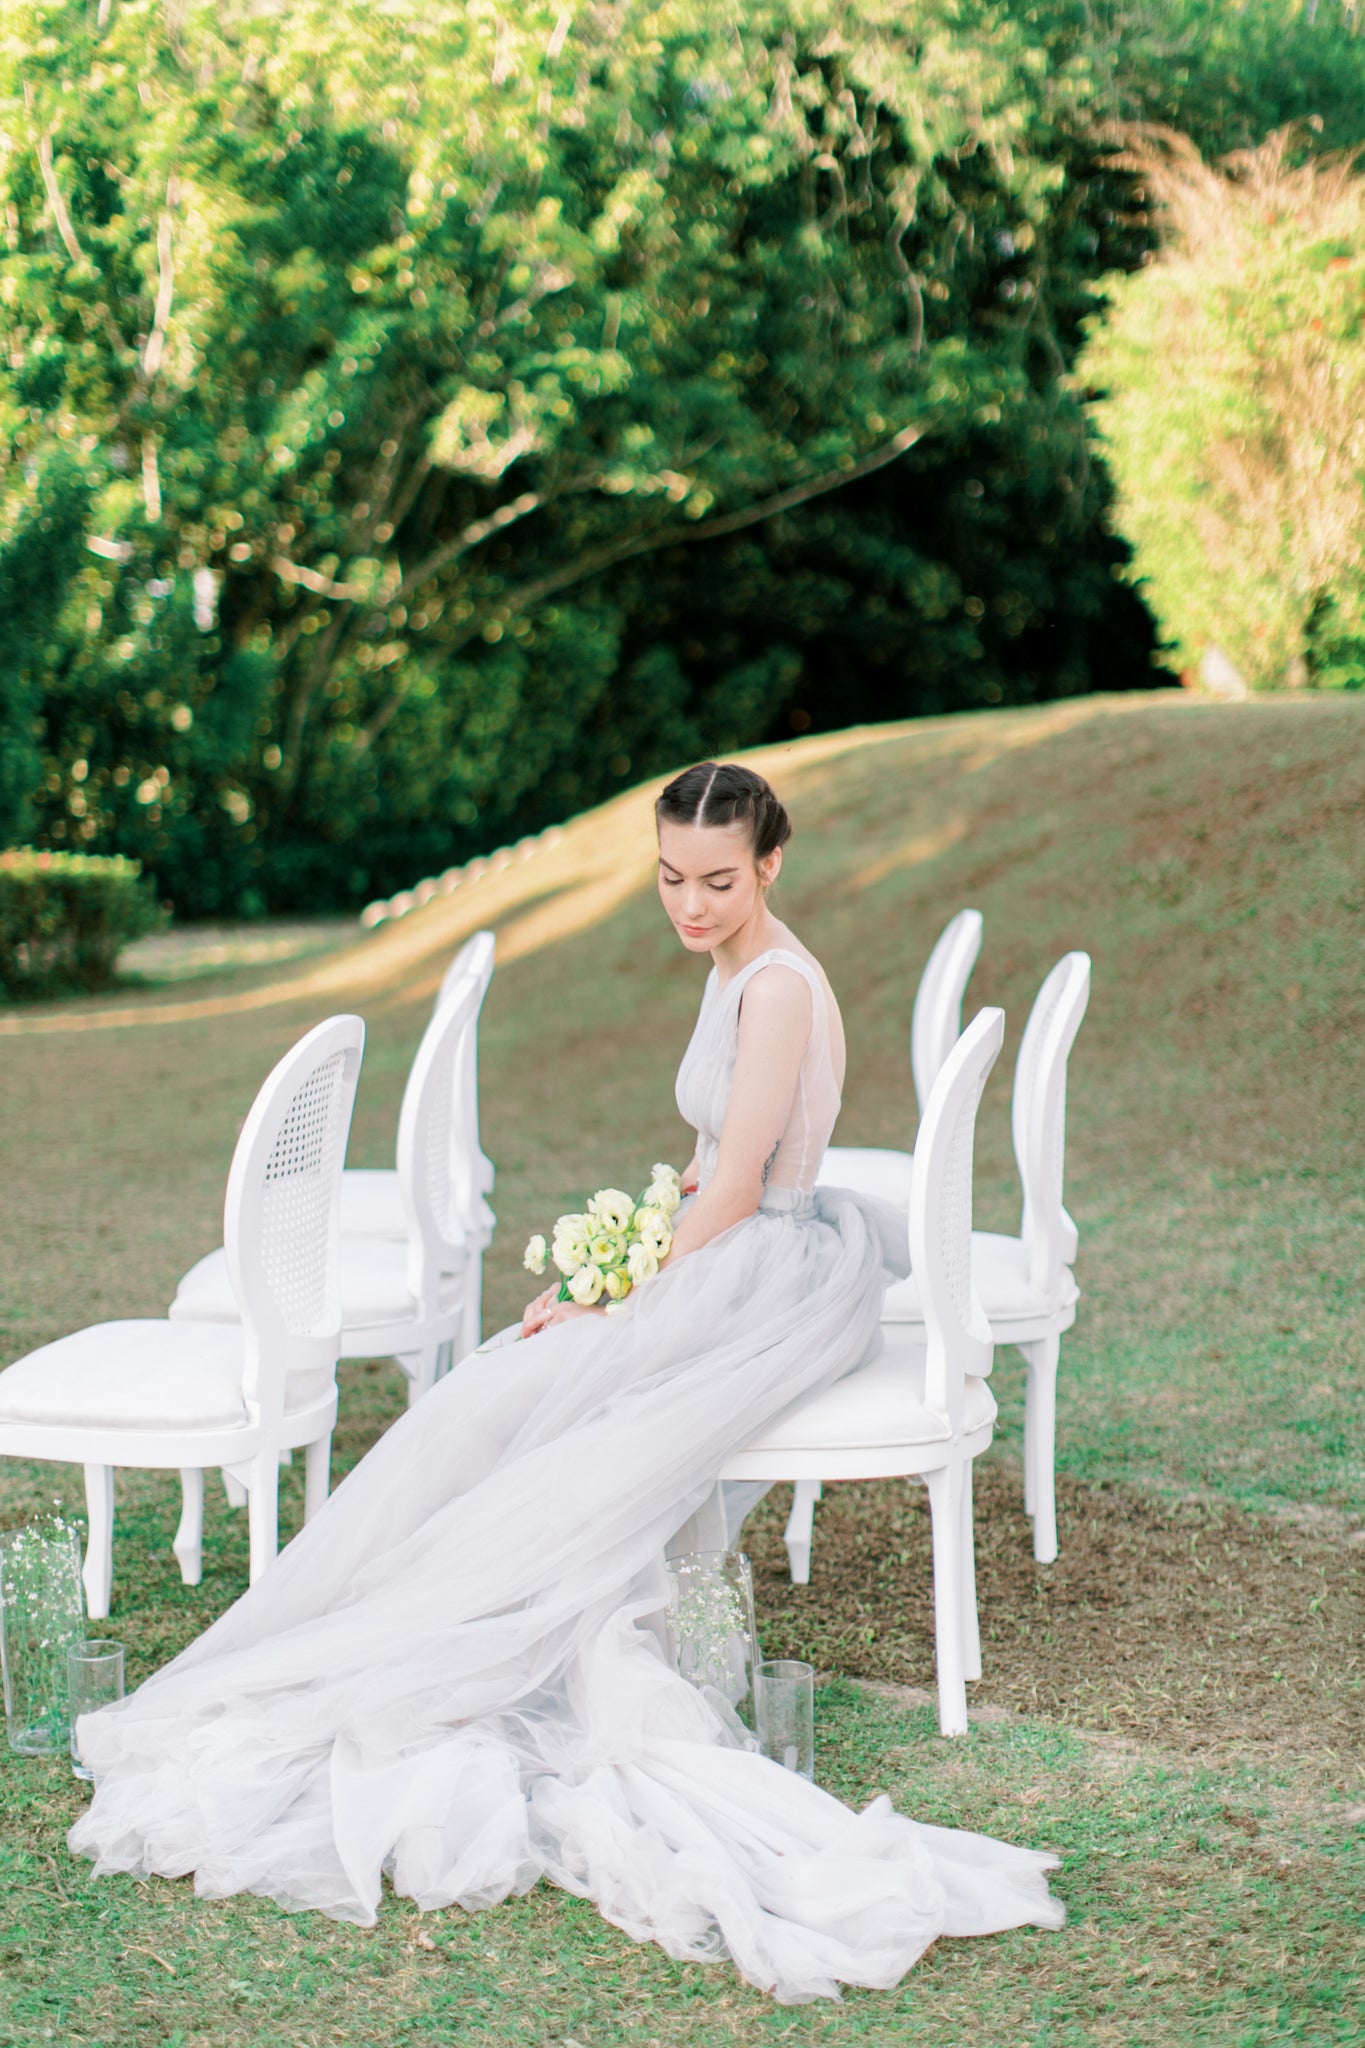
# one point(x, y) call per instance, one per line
point(935, 1027)
point(1025, 1283)
point(371, 1200)
point(922, 1409)
point(400, 1297)
point(173, 1395)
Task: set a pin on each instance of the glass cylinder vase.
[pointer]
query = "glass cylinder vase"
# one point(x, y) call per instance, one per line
point(42, 1612)
point(712, 1637)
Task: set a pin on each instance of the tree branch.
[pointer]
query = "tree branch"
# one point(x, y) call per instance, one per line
point(151, 478)
point(595, 560)
point(56, 202)
point(469, 537)
point(165, 287)
point(311, 579)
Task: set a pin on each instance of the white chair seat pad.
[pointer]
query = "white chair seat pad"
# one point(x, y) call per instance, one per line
point(374, 1287)
point(869, 1170)
point(371, 1206)
point(880, 1405)
point(1000, 1270)
point(135, 1375)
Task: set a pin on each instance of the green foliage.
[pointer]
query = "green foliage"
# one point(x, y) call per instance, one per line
point(1234, 374)
point(413, 421)
point(65, 916)
point(1229, 75)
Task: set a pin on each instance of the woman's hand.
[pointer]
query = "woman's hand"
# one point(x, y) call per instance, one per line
point(536, 1313)
point(547, 1309)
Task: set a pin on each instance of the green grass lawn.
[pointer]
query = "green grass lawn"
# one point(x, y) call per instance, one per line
point(1175, 1706)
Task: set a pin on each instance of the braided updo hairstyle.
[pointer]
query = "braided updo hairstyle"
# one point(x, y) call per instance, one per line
point(723, 793)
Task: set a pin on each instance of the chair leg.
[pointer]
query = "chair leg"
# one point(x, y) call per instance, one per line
point(189, 1537)
point(705, 1529)
point(98, 1571)
point(1030, 1432)
point(317, 1468)
point(421, 1368)
point(945, 1507)
point(971, 1624)
point(1041, 1408)
point(263, 1507)
point(800, 1529)
point(234, 1489)
point(471, 1314)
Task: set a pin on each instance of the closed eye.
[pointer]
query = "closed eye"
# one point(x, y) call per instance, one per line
point(675, 882)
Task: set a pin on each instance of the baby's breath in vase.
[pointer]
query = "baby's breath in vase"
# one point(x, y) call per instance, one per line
point(42, 1611)
point(711, 1630)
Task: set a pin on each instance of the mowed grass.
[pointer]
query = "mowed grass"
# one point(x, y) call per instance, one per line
point(1175, 1706)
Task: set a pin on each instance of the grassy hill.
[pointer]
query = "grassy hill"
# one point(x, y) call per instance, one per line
point(1211, 858)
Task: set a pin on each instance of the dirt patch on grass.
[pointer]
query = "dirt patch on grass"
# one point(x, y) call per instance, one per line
point(1190, 1622)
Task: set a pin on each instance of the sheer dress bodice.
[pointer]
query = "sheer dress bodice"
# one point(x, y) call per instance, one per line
point(707, 1074)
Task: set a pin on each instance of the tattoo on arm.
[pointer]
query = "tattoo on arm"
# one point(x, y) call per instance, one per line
point(768, 1162)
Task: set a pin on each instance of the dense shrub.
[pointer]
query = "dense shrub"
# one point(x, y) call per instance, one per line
point(65, 916)
point(1233, 378)
point(414, 421)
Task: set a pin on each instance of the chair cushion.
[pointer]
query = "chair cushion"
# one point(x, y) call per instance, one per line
point(142, 1375)
point(370, 1203)
point(371, 1206)
point(131, 1375)
point(880, 1405)
point(1000, 1269)
point(374, 1286)
point(869, 1170)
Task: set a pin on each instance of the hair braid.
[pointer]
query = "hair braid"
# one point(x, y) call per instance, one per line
point(723, 793)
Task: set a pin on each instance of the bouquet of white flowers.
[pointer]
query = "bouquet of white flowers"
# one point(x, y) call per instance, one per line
point(616, 1243)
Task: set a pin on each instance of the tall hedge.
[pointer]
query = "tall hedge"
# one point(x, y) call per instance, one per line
point(413, 421)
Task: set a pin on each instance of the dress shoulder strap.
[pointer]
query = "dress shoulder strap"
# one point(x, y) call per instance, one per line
point(782, 956)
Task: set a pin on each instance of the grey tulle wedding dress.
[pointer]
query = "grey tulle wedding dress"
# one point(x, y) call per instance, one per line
point(449, 1678)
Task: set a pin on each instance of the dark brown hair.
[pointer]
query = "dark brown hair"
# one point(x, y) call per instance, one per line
point(722, 793)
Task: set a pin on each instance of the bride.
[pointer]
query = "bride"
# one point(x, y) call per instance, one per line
point(449, 1677)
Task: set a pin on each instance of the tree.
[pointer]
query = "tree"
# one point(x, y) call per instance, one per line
point(377, 335)
point(1233, 373)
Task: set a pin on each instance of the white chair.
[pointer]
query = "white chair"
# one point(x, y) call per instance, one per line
point(935, 1027)
point(1025, 1283)
point(922, 1409)
point(371, 1201)
point(189, 1396)
point(400, 1297)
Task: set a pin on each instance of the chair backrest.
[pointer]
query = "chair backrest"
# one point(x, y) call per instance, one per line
point(936, 1020)
point(471, 1170)
point(957, 1333)
point(474, 957)
point(427, 1138)
point(281, 1212)
point(1038, 1118)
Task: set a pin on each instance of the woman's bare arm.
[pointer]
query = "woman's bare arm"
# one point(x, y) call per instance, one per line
point(774, 1029)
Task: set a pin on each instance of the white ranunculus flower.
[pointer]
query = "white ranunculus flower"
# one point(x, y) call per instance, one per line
point(611, 1209)
point(535, 1255)
point(586, 1286)
point(653, 1228)
point(660, 1171)
point(641, 1263)
point(574, 1227)
point(616, 1284)
point(663, 1194)
point(569, 1253)
point(607, 1248)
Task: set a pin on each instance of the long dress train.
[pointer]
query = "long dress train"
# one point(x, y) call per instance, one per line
point(448, 1676)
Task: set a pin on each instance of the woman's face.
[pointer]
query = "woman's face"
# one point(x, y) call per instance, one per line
point(709, 882)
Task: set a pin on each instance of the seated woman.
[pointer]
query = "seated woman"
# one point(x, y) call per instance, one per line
point(448, 1677)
